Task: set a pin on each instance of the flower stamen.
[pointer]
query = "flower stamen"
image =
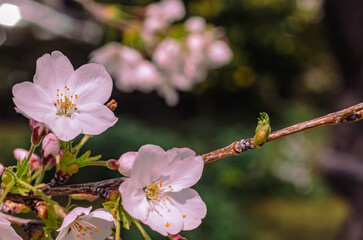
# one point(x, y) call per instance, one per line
point(65, 102)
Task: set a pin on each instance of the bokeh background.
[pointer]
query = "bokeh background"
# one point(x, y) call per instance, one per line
point(294, 59)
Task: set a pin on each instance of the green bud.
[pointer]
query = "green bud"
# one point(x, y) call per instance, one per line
point(263, 130)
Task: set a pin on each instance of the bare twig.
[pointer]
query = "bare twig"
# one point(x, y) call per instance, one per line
point(351, 114)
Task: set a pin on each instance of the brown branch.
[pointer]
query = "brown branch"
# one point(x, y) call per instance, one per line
point(105, 187)
point(351, 114)
point(100, 188)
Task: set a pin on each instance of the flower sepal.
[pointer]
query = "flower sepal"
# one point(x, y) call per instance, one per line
point(70, 163)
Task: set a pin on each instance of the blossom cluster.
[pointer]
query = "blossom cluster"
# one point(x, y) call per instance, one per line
point(70, 102)
point(175, 64)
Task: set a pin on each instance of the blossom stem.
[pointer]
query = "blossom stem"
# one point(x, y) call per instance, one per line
point(141, 229)
point(98, 163)
point(118, 230)
point(41, 176)
point(35, 175)
point(81, 143)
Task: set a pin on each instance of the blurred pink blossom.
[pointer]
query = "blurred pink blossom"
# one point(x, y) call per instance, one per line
point(195, 24)
point(21, 154)
point(219, 54)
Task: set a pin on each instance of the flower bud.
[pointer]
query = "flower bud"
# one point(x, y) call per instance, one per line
point(21, 154)
point(85, 196)
point(50, 149)
point(113, 164)
point(263, 130)
point(39, 131)
point(125, 163)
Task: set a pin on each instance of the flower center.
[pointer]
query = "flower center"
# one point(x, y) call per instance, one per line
point(83, 230)
point(66, 103)
point(156, 191)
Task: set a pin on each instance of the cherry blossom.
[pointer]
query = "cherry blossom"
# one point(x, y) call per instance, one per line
point(69, 102)
point(81, 223)
point(158, 191)
point(7, 232)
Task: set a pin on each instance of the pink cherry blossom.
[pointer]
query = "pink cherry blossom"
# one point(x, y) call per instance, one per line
point(69, 102)
point(21, 154)
point(7, 232)
point(81, 223)
point(219, 54)
point(158, 191)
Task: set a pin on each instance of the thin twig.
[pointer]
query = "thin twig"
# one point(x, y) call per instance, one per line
point(351, 114)
point(20, 221)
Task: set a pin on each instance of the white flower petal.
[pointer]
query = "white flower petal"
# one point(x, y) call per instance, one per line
point(149, 164)
point(134, 199)
point(7, 232)
point(32, 100)
point(191, 207)
point(102, 214)
point(184, 170)
point(63, 234)
point(64, 127)
point(104, 227)
point(91, 83)
point(165, 219)
point(53, 72)
point(73, 215)
point(95, 118)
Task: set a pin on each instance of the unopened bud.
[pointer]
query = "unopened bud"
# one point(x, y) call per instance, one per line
point(14, 208)
point(112, 105)
point(39, 131)
point(112, 195)
point(125, 163)
point(113, 164)
point(84, 196)
point(263, 130)
point(21, 154)
point(50, 149)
